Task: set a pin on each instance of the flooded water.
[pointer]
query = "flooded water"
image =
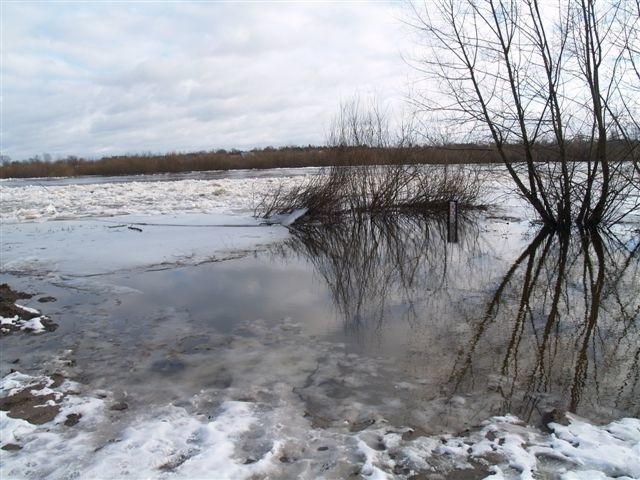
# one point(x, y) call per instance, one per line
point(510, 326)
point(551, 324)
point(343, 333)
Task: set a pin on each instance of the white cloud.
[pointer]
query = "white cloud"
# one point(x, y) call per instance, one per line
point(101, 78)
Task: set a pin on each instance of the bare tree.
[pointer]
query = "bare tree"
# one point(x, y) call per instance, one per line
point(359, 124)
point(548, 85)
point(628, 44)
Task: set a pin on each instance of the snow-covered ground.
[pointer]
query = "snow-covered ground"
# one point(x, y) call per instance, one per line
point(34, 324)
point(260, 428)
point(266, 400)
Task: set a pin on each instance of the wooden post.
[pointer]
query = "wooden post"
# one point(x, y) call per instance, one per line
point(452, 222)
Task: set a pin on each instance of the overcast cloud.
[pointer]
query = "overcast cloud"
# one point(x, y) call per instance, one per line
point(95, 79)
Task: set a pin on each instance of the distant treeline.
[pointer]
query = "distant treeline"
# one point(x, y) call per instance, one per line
point(260, 159)
point(234, 160)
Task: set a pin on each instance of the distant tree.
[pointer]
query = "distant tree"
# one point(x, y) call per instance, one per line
point(360, 125)
point(366, 123)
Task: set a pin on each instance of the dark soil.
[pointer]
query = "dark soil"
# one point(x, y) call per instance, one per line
point(11, 447)
point(47, 299)
point(36, 409)
point(72, 419)
point(9, 309)
point(7, 294)
point(32, 408)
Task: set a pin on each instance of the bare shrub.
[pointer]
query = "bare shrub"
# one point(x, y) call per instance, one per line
point(378, 190)
point(375, 173)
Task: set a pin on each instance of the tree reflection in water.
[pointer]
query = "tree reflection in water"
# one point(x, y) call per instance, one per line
point(557, 329)
point(380, 268)
point(572, 331)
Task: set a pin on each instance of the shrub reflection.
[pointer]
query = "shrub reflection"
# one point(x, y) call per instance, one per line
point(555, 327)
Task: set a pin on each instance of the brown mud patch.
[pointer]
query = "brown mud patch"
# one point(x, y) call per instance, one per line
point(37, 403)
point(31, 405)
point(7, 294)
point(10, 310)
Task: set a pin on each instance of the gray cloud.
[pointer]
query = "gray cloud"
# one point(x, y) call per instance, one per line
point(105, 78)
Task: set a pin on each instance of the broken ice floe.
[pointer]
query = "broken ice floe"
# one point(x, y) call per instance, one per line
point(224, 195)
point(287, 219)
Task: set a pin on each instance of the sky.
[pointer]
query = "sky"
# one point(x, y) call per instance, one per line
point(94, 79)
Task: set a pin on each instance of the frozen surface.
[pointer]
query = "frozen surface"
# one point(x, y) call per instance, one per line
point(111, 226)
point(173, 384)
point(32, 325)
point(224, 195)
point(261, 427)
point(98, 246)
point(197, 192)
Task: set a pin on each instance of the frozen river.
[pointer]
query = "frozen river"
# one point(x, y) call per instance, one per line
point(192, 341)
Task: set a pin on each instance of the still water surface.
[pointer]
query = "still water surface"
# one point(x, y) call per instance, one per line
point(442, 335)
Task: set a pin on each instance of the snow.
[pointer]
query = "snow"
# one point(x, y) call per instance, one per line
point(260, 426)
point(598, 454)
point(613, 449)
point(28, 309)
point(9, 320)
point(16, 381)
point(180, 445)
point(162, 443)
point(33, 325)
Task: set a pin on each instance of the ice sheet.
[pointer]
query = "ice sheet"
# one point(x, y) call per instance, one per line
point(33, 200)
point(98, 246)
point(106, 227)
